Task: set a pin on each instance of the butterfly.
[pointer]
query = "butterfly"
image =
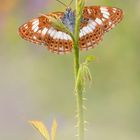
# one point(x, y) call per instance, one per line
point(95, 22)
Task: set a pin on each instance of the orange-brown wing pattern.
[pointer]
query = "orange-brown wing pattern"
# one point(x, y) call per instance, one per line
point(90, 35)
point(40, 31)
point(106, 16)
point(97, 21)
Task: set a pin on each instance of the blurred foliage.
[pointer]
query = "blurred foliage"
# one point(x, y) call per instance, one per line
point(36, 84)
point(40, 127)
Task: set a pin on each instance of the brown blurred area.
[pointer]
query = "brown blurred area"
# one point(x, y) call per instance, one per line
point(7, 6)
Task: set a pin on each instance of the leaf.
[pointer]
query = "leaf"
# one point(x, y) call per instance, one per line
point(54, 127)
point(41, 129)
point(84, 74)
point(87, 74)
point(80, 7)
point(80, 82)
point(79, 11)
point(90, 58)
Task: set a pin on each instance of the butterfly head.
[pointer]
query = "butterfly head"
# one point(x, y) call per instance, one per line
point(69, 13)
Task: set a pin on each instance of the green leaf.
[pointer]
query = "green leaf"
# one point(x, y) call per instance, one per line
point(79, 11)
point(80, 7)
point(84, 73)
point(87, 73)
point(80, 82)
point(90, 58)
point(83, 76)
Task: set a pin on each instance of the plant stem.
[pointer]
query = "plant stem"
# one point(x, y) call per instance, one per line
point(79, 97)
point(76, 60)
point(78, 88)
point(80, 116)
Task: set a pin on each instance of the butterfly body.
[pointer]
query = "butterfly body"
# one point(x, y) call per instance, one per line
point(68, 19)
point(96, 20)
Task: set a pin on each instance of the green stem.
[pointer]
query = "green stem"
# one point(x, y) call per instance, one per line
point(79, 97)
point(80, 116)
point(78, 88)
point(76, 60)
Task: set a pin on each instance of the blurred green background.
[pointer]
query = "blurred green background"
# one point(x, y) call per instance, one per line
point(36, 84)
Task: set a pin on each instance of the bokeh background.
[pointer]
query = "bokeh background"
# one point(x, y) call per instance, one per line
point(38, 85)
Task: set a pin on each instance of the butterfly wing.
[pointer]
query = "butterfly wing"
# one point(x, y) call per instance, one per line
point(96, 21)
point(40, 31)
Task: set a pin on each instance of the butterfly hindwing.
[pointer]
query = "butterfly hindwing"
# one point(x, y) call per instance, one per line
point(90, 35)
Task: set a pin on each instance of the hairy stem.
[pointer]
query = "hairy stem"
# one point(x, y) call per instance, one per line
point(79, 97)
point(78, 88)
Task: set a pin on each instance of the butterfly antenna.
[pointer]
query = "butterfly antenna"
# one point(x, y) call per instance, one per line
point(70, 3)
point(62, 3)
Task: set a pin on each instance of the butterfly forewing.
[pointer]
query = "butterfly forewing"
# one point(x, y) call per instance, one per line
point(40, 31)
point(105, 16)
